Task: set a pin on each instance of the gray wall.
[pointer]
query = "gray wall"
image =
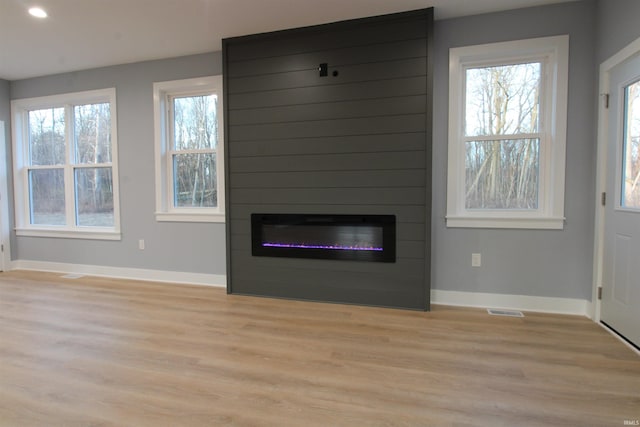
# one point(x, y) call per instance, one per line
point(5, 116)
point(550, 263)
point(188, 247)
point(617, 26)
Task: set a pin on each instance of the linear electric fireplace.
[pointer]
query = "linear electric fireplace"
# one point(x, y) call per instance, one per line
point(341, 237)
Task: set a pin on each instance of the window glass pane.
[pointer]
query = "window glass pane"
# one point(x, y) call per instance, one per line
point(46, 188)
point(94, 197)
point(92, 133)
point(195, 180)
point(195, 123)
point(46, 137)
point(502, 100)
point(631, 154)
point(502, 174)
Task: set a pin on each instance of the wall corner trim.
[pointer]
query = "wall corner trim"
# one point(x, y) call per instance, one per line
point(571, 306)
point(175, 277)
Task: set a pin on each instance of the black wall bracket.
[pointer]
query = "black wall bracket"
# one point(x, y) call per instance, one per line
point(323, 69)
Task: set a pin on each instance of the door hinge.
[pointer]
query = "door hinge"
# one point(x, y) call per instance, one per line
point(606, 100)
point(603, 199)
point(599, 292)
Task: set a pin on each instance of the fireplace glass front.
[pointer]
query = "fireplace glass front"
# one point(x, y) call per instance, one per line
point(342, 237)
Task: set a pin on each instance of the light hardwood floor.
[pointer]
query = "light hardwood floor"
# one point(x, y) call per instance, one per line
point(104, 352)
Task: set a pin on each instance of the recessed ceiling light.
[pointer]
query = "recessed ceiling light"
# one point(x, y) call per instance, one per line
point(37, 12)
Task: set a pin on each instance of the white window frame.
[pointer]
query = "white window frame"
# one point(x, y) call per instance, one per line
point(163, 92)
point(20, 129)
point(553, 53)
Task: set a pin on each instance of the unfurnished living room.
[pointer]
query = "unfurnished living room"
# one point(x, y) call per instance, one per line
point(325, 213)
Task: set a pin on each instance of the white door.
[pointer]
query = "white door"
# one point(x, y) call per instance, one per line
point(620, 308)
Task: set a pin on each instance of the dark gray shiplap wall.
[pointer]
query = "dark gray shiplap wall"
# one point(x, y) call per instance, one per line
point(355, 143)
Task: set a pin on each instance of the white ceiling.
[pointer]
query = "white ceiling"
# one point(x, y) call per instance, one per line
point(82, 34)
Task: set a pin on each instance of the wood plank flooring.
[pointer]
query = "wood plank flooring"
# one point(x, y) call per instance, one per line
point(105, 352)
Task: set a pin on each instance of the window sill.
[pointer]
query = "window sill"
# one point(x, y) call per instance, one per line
point(189, 217)
point(91, 234)
point(546, 223)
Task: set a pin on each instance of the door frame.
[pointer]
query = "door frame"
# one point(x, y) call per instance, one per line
point(5, 233)
point(629, 51)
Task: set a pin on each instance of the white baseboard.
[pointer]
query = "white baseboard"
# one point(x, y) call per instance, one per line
point(455, 298)
point(217, 280)
point(512, 302)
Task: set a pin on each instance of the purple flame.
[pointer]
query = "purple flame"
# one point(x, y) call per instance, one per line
point(333, 247)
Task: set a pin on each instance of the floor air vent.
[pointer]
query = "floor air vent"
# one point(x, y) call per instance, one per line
point(72, 276)
point(508, 313)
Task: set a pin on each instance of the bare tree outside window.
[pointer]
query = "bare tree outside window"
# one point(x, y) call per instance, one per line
point(195, 130)
point(47, 154)
point(631, 154)
point(94, 185)
point(47, 199)
point(48, 160)
point(92, 133)
point(94, 197)
point(502, 141)
point(47, 137)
